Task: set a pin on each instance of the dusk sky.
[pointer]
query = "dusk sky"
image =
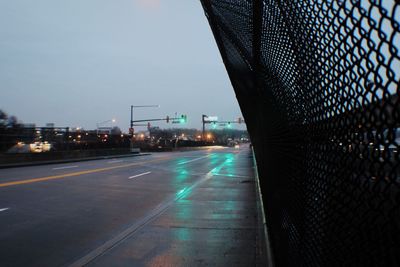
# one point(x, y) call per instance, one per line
point(77, 63)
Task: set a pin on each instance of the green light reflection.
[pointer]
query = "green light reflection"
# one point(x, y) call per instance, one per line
point(228, 166)
point(182, 175)
point(184, 234)
point(185, 209)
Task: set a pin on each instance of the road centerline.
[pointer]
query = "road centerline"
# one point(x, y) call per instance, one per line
point(138, 175)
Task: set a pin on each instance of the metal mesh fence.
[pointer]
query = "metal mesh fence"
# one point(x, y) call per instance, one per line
point(318, 84)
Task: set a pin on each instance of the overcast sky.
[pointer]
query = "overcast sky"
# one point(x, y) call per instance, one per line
point(80, 62)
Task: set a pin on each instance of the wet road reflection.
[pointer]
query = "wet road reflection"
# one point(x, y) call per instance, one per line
point(211, 223)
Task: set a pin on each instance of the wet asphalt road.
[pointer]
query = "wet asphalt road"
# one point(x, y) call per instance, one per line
point(192, 208)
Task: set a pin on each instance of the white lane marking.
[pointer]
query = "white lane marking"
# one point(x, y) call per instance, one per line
point(66, 167)
point(193, 160)
point(4, 209)
point(191, 156)
point(137, 175)
point(230, 175)
point(114, 161)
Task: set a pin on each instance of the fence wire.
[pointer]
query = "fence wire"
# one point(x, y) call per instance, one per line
point(318, 84)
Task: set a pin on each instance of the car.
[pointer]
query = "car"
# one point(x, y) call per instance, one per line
point(36, 147)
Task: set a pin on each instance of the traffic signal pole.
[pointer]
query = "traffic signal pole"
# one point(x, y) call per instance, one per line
point(239, 121)
point(204, 126)
point(162, 119)
point(131, 131)
point(132, 121)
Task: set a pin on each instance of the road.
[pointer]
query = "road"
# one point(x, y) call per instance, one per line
point(137, 211)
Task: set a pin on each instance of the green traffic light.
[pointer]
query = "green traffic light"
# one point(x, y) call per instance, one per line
point(183, 119)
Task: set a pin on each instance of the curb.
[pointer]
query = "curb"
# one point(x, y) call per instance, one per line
point(269, 261)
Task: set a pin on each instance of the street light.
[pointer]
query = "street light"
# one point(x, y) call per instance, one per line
point(104, 122)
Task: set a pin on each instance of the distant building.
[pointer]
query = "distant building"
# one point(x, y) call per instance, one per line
point(29, 125)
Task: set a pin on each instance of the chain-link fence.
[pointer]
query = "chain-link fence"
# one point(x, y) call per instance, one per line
point(318, 84)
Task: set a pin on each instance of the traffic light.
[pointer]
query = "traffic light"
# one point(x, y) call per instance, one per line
point(167, 119)
point(229, 125)
point(214, 124)
point(183, 119)
point(148, 125)
point(240, 120)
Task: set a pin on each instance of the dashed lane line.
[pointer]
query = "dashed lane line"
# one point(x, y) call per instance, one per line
point(188, 161)
point(138, 175)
